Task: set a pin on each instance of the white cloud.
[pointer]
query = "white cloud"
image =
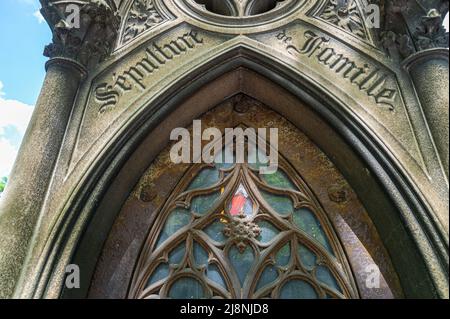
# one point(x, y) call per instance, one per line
point(39, 16)
point(16, 115)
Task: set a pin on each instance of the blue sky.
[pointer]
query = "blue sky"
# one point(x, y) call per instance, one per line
point(23, 36)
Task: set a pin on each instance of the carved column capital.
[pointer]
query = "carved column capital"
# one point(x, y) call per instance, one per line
point(411, 26)
point(84, 31)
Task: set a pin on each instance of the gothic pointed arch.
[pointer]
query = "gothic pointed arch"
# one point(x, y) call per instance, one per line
point(228, 231)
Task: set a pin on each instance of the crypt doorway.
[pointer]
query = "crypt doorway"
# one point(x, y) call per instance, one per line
point(225, 231)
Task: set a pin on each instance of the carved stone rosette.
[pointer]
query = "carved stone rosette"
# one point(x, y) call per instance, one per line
point(83, 31)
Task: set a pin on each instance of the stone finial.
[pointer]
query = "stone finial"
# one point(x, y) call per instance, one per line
point(83, 31)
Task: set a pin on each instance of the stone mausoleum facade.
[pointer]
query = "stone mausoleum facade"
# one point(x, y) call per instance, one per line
point(358, 207)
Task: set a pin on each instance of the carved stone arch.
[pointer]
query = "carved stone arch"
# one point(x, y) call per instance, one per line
point(85, 222)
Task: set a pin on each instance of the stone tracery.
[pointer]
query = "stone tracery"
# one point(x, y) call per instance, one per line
point(239, 8)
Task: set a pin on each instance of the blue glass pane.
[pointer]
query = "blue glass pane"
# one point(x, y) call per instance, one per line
point(213, 273)
point(307, 257)
point(205, 179)
point(176, 220)
point(215, 231)
point(186, 288)
point(325, 276)
point(269, 274)
point(283, 255)
point(298, 289)
point(176, 255)
point(268, 231)
point(203, 204)
point(200, 255)
point(280, 204)
point(161, 272)
point(242, 262)
point(278, 179)
point(307, 221)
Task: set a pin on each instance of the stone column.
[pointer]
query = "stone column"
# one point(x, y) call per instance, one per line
point(76, 46)
point(429, 72)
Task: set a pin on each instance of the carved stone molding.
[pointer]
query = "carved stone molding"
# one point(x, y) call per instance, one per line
point(83, 31)
point(142, 16)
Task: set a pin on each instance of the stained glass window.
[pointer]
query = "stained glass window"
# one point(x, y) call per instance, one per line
point(228, 231)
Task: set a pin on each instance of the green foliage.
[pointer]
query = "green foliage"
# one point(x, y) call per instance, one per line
point(3, 182)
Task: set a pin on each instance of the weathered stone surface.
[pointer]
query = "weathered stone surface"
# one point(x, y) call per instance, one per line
point(82, 31)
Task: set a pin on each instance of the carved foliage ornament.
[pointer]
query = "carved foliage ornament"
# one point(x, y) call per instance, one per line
point(143, 15)
point(430, 33)
point(82, 31)
point(346, 14)
point(156, 55)
point(229, 232)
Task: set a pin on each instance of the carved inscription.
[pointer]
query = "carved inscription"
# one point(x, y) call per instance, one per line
point(156, 56)
point(366, 78)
